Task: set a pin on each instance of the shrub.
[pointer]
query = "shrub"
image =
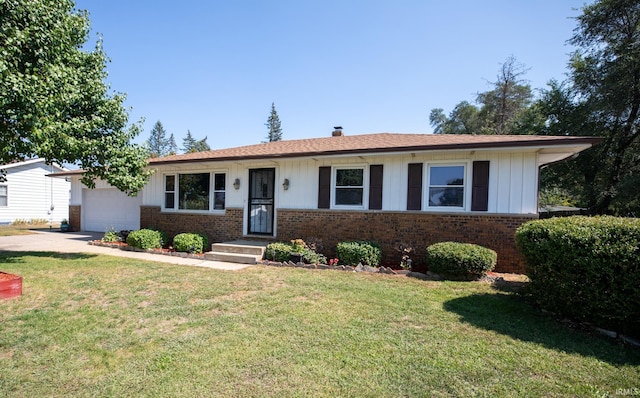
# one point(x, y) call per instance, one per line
point(368, 253)
point(145, 239)
point(111, 236)
point(190, 243)
point(456, 260)
point(309, 256)
point(586, 268)
point(278, 251)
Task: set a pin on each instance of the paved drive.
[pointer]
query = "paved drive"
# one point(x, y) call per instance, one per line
point(77, 242)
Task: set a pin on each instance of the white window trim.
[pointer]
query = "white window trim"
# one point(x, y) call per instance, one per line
point(365, 186)
point(212, 191)
point(7, 194)
point(466, 201)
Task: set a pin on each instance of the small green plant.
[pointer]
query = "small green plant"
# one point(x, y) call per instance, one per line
point(145, 239)
point(464, 261)
point(111, 236)
point(352, 253)
point(190, 243)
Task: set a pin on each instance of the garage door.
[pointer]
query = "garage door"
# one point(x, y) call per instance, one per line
point(104, 209)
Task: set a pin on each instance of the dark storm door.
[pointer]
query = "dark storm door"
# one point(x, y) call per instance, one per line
point(261, 203)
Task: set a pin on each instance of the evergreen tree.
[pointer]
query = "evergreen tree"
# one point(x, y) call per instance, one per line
point(172, 146)
point(54, 102)
point(188, 143)
point(201, 145)
point(274, 125)
point(158, 144)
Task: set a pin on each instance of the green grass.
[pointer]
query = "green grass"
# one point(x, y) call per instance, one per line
point(97, 326)
point(24, 228)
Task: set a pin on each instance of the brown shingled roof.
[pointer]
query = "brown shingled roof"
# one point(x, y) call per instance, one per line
point(373, 143)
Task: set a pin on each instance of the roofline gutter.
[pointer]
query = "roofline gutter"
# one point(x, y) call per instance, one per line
point(470, 146)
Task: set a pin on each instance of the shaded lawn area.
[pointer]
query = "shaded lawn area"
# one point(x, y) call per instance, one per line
point(90, 325)
point(22, 229)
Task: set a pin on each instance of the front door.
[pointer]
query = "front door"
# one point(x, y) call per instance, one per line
point(261, 202)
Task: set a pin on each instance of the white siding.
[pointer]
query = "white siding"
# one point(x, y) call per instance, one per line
point(31, 194)
point(513, 179)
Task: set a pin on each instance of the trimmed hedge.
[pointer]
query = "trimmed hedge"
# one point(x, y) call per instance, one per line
point(353, 253)
point(586, 268)
point(464, 261)
point(145, 239)
point(190, 243)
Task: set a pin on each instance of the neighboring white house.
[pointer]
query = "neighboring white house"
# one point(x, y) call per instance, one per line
point(416, 188)
point(28, 194)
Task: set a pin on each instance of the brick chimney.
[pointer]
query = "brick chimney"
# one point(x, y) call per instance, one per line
point(337, 131)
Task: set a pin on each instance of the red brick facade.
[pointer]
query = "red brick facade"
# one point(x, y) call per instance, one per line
point(75, 212)
point(416, 228)
point(217, 227)
point(387, 228)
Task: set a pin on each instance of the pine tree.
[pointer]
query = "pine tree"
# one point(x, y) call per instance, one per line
point(172, 147)
point(188, 143)
point(201, 145)
point(273, 123)
point(157, 143)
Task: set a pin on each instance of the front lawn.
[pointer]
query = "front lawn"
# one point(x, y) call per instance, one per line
point(93, 326)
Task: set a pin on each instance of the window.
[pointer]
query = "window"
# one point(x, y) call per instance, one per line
point(169, 192)
point(192, 191)
point(446, 186)
point(4, 194)
point(219, 191)
point(349, 187)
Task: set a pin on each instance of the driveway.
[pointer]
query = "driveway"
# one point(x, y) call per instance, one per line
point(77, 242)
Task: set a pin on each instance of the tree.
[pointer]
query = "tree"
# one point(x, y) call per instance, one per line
point(54, 102)
point(201, 145)
point(172, 147)
point(601, 98)
point(190, 144)
point(511, 95)
point(499, 110)
point(158, 144)
point(274, 125)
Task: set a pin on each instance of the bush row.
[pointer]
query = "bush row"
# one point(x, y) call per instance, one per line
point(154, 239)
point(586, 268)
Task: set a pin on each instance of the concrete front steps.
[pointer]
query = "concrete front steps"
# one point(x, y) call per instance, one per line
point(240, 251)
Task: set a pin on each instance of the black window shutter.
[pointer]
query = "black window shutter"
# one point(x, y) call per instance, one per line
point(480, 186)
point(375, 187)
point(324, 188)
point(414, 190)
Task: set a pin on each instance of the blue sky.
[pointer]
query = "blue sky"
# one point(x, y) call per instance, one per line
point(215, 67)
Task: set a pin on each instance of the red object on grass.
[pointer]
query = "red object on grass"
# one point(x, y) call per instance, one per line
point(10, 285)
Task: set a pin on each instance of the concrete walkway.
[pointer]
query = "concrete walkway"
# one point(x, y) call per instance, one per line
point(77, 242)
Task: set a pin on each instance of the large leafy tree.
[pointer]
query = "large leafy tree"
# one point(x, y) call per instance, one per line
point(274, 125)
point(498, 110)
point(54, 102)
point(601, 98)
